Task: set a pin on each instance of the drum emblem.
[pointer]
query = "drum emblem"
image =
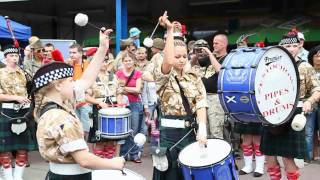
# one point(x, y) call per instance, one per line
point(244, 99)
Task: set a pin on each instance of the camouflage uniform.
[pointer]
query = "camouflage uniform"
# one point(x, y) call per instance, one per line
point(13, 82)
point(31, 66)
point(104, 87)
point(171, 104)
point(215, 112)
point(292, 143)
point(141, 66)
point(60, 133)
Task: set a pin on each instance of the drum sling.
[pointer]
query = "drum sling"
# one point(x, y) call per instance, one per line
point(162, 156)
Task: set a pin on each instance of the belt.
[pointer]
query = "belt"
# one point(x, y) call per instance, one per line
point(67, 169)
point(174, 123)
point(14, 106)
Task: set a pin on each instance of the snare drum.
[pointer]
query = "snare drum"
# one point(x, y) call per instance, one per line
point(114, 123)
point(259, 85)
point(116, 174)
point(210, 163)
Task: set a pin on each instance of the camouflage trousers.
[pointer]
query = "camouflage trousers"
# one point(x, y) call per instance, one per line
point(215, 117)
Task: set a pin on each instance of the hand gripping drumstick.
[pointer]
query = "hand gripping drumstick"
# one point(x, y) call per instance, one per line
point(139, 140)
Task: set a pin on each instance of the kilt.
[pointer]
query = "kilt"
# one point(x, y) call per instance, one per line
point(168, 137)
point(10, 141)
point(52, 176)
point(289, 143)
point(248, 128)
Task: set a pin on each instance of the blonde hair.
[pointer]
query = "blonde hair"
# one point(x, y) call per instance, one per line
point(142, 49)
point(39, 96)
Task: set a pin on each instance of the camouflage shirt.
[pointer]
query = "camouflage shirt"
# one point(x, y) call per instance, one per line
point(206, 72)
point(169, 92)
point(141, 66)
point(105, 85)
point(31, 66)
point(13, 82)
point(309, 81)
point(59, 133)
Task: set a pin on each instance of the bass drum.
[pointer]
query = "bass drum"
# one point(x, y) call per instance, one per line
point(259, 85)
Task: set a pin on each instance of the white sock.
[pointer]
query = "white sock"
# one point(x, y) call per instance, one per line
point(247, 164)
point(260, 164)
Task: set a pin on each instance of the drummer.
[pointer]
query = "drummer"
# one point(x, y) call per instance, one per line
point(102, 94)
point(60, 134)
point(169, 75)
point(284, 141)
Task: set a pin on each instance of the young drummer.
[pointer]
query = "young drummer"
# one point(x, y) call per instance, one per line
point(60, 134)
point(287, 143)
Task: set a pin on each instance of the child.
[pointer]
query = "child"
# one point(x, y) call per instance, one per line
point(60, 134)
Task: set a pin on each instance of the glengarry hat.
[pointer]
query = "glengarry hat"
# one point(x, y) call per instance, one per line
point(51, 72)
point(10, 49)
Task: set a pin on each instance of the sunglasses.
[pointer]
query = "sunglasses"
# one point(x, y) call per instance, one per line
point(40, 50)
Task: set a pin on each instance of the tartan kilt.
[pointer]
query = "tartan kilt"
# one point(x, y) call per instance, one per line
point(289, 143)
point(248, 128)
point(168, 137)
point(10, 141)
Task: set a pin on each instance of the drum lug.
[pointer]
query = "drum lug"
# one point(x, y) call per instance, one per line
point(98, 135)
point(252, 92)
point(254, 66)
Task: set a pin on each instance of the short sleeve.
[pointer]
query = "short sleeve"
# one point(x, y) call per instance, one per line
point(67, 132)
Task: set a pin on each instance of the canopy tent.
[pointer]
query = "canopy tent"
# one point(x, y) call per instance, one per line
point(21, 32)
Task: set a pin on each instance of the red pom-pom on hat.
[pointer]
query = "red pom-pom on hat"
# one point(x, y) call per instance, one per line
point(57, 55)
point(91, 51)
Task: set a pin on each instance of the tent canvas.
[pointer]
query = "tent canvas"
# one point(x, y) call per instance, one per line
point(21, 32)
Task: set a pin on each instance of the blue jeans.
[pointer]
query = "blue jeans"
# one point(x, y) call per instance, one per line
point(83, 114)
point(311, 124)
point(138, 126)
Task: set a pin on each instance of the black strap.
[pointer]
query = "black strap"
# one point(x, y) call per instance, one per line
point(185, 102)
point(299, 62)
point(49, 106)
point(129, 79)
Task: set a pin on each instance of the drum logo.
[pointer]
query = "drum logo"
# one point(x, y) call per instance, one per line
point(244, 99)
point(269, 60)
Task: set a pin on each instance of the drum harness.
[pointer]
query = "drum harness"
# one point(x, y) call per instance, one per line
point(187, 108)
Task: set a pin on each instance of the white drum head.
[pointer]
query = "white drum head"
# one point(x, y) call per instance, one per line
point(276, 86)
point(114, 111)
point(194, 156)
point(115, 174)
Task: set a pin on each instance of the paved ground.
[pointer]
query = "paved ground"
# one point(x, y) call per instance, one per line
point(38, 169)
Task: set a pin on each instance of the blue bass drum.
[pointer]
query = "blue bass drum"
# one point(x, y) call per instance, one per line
point(259, 85)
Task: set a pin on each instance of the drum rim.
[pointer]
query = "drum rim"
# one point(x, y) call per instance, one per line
point(203, 167)
point(259, 115)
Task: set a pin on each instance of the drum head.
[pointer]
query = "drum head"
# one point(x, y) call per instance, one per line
point(194, 156)
point(276, 86)
point(116, 174)
point(114, 111)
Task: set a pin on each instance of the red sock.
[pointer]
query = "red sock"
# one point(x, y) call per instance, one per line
point(257, 151)
point(247, 149)
point(293, 175)
point(274, 172)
